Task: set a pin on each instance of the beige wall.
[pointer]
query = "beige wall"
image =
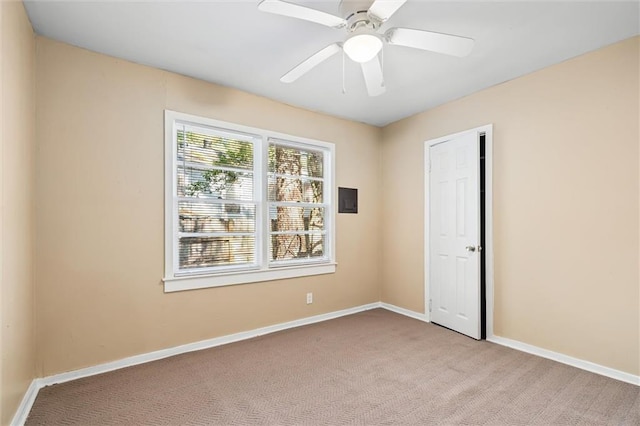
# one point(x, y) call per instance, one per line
point(566, 187)
point(566, 192)
point(17, 141)
point(100, 213)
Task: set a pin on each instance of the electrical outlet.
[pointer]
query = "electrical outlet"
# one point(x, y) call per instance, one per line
point(309, 298)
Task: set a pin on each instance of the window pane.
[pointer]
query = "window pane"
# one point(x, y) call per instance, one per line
point(200, 217)
point(233, 212)
point(297, 246)
point(197, 252)
point(285, 219)
point(295, 161)
point(200, 148)
point(219, 184)
point(295, 190)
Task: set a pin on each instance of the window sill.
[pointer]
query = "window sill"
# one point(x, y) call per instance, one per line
point(194, 282)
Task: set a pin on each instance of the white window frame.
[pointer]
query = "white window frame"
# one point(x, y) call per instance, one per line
point(175, 280)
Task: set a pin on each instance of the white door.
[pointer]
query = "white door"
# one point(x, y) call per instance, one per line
point(454, 234)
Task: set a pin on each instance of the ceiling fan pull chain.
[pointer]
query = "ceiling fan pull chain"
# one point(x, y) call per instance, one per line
point(344, 88)
point(382, 65)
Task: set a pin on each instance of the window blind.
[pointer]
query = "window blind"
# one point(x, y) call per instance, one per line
point(215, 180)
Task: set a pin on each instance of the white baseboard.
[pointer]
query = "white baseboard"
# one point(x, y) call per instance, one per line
point(37, 384)
point(196, 346)
point(32, 392)
point(27, 402)
point(565, 359)
point(405, 312)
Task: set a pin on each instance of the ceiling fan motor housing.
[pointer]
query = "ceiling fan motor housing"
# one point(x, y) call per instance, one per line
point(356, 14)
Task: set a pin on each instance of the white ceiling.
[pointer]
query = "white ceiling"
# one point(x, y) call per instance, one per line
point(233, 44)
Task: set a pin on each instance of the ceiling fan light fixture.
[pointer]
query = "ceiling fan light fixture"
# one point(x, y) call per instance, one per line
point(362, 47)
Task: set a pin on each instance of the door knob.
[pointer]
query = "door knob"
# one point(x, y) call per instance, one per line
point(470, 248)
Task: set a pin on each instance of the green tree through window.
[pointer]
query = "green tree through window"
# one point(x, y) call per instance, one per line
point(297, 230)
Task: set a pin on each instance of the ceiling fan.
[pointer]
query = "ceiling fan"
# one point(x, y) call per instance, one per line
point(362, 21)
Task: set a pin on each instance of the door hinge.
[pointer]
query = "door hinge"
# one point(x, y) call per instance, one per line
point(429, 305)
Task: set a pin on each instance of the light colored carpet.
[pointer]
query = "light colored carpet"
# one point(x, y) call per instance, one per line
point(375, 367)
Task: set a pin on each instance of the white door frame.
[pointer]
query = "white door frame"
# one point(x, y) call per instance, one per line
point(487, 130)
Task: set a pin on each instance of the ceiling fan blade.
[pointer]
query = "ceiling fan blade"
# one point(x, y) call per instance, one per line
point(280, 7)
point(310, 62)
point(428, 40)
point(383, 9)
point(372, 72)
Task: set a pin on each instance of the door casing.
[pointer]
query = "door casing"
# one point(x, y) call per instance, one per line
point(487, 130)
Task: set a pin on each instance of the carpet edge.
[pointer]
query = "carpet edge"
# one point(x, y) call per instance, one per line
point(32, 392)
point(203, 344)
point(29, 398)
point(21, 414)
point(405, 312)
point(566, 359)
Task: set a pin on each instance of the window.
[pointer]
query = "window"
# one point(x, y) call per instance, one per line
point(244, 204)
